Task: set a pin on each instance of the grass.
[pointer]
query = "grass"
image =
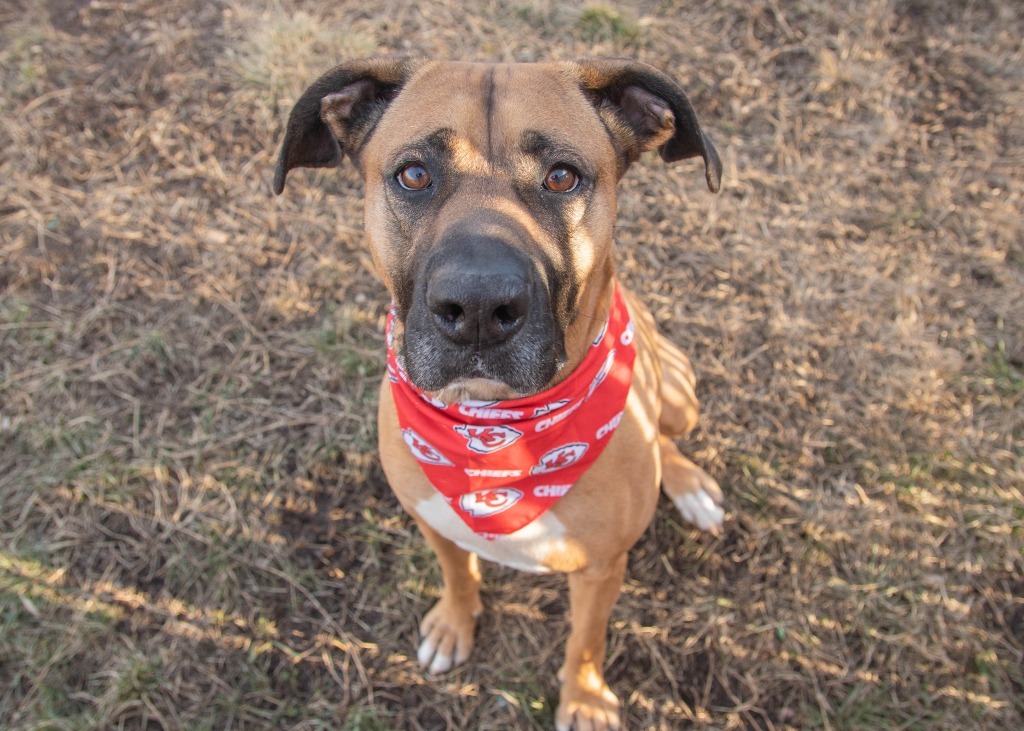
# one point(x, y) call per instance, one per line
point(601, 23)
point(194, 529)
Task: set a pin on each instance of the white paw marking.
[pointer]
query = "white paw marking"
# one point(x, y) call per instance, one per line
point(442, 664)
point(426, 653)
point(699, 509)
point(431, 660)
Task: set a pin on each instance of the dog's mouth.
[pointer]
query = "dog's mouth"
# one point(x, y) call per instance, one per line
point(476, 389)
point(522, 365)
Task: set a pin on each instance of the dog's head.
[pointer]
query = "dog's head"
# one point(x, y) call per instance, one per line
point(490, 199)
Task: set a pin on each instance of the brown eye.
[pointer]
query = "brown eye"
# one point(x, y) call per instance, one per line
point(413, 177)
point(561, 179)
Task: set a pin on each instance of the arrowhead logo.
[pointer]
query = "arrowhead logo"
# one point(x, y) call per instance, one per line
point(487, 439)
point(423, 450)
point(483, 503)
point(559, 458)
point(603, 373)
point(548, 408)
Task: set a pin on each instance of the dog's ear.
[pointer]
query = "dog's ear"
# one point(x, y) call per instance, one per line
point(335, 115)
point(644, 109)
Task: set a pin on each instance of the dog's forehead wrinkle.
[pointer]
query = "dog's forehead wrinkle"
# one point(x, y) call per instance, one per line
point(489, 105)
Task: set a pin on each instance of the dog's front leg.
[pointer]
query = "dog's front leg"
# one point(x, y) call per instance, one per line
point(446, 632)
point(586, 701)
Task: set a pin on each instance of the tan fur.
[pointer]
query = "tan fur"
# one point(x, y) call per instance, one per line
point(588, 532)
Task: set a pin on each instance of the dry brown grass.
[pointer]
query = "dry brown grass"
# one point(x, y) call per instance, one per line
point(194, 531)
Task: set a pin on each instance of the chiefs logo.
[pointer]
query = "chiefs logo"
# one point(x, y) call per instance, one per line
point(556, 459)
point(483, 503)
point(487, 439)
point(423, 450)
point(603, 373)
point(548, 408)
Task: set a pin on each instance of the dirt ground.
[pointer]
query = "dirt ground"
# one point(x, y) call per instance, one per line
point(194, 528)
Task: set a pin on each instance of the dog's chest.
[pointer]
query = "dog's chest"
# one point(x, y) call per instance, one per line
point(532, 548)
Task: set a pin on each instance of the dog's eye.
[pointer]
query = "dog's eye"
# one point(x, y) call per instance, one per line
point(561, 179)
point(413, 177)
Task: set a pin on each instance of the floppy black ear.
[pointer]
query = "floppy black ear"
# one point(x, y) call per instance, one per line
point(335, 115)
point(644, 109)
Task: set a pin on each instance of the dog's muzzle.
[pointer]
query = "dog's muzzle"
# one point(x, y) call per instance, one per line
point(480, 310)
point(480, 306)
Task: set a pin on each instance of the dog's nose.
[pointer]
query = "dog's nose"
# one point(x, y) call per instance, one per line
point(479, 297)
point(478, 310)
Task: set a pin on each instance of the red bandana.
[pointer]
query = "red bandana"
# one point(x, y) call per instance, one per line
point(501, 464)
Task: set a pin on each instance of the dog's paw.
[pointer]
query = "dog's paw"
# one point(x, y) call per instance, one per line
point(703, 505)
point(447, 636)
point(588, 707)
point(693, 491)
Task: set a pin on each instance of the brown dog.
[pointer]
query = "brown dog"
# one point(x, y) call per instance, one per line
point(490, 206)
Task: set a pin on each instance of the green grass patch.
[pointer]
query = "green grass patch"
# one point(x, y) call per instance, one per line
point(365, 719)
point(602, 23)
point(1007, 378)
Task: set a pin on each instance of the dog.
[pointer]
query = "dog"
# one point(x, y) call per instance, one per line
point(530, 405)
